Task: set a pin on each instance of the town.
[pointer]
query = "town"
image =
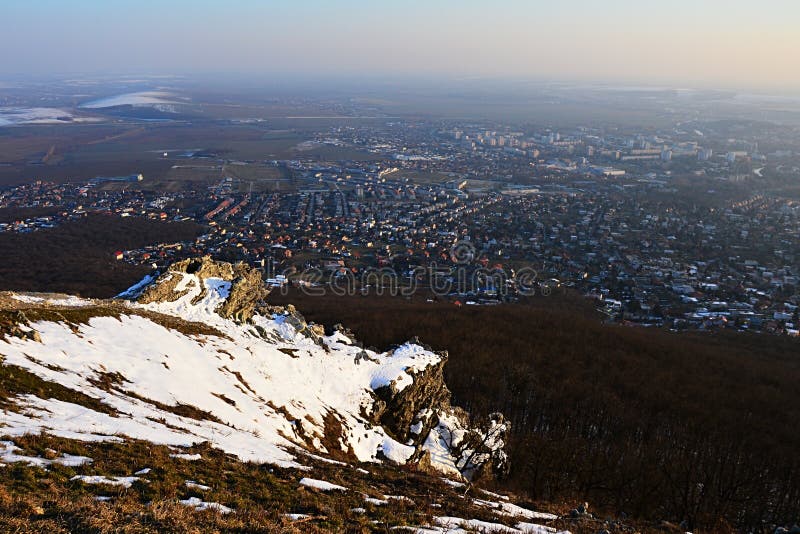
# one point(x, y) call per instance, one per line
point(653, 227)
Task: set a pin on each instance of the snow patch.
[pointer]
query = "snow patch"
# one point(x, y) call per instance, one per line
point(9, 455)
point(125, 482)
point(191, 484)
point(321, 485)
point(187, 457)
point(143, 98)
point(512, 510)
point(200, 505)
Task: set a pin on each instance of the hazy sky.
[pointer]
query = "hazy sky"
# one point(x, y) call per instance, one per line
point(724, 43)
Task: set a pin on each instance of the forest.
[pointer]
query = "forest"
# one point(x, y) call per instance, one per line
point(77, 257)
point(694, 428)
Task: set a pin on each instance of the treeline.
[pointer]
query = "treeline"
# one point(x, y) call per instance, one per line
point(77, 257)
point(11, 215)
point(701, 429)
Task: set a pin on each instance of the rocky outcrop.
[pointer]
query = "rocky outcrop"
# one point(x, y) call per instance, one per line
point(414, 409)
point(247, 291)
point(420, 414)
point(408, 414)
point(246, 294)
point(16, 324)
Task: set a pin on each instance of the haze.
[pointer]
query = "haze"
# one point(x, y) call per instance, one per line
point(707, 43)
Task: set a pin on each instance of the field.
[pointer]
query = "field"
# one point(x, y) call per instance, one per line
point(78, 152)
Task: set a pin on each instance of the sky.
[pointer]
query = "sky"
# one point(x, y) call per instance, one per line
point(744, 44)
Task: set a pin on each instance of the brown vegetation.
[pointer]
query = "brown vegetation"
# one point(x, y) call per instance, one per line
point(33, 499)
point(77, 257)
point(695, 428)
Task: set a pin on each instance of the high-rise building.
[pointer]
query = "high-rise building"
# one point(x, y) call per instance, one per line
point(704, 154)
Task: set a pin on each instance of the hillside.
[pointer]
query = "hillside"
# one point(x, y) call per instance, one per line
point(195, 393)
point(197, 400)
point(653, 424)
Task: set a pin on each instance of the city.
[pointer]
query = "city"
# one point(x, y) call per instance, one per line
point(587, 211)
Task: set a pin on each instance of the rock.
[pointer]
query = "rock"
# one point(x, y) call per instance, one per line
point(427, 392)
point(16, 324)
point(246, 294)
point(317, 330)
point(362, 356)
point(338, 327)
point(296, 320)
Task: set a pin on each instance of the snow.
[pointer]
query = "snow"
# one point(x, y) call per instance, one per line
point(268, 402)
point(533, 528)
point(396, 452)
point(453, 483)
point(30, 299)
point(8, 454)
point(191, 484)
point(512, 510)
point(375, 502)
point(187, 457)
point(494, 495)
point(72, 461)
point(125, 482)
point(321, 485)
point(457, 525)
point(66, 300)
point(200, 505)
point(449, 432)
point(297, 517)
point(325, 460)
point(144, 98)
point(136, 289)
point(13, 116)
point(414, 359)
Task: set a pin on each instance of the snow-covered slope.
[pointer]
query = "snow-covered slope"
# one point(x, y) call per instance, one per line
point(266, 388)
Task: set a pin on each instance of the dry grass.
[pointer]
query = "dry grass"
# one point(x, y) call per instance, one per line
point(33, 499)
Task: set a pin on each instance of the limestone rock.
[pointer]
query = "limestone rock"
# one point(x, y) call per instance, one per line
point(247, 290)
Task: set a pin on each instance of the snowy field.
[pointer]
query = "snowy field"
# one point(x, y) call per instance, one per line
point(144, 98)
point(14, 116)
